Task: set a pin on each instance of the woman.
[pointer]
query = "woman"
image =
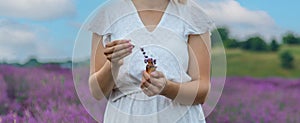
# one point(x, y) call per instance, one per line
point(176, 33)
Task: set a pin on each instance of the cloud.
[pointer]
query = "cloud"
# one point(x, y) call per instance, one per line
point(13, 32)
point(37, 9)
point(241, 21)
point(16, 40)
point(19, 41)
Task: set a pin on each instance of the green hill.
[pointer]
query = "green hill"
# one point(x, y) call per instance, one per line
point(261, 64)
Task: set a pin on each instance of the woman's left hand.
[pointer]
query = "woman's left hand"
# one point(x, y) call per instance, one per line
point(153, 83)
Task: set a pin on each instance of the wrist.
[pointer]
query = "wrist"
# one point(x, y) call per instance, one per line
point(166, 88)
point(116, 64)
point(170, 90)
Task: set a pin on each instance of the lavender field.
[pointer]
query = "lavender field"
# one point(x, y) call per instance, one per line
point(47, 94)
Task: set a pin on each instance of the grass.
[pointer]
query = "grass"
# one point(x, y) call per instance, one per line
point(261, 64)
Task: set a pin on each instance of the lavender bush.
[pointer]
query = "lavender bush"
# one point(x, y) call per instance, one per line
point(250, 100)
point(39, 94)
point(47, 94)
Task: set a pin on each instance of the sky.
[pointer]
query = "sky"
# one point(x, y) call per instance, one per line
point(47, 29)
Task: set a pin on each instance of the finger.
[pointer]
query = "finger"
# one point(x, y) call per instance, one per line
point(142, 86)
point(121, 57)
point(110, 50)
point(113, 43)
point(142, 83)
point(156, 74)
point(118, 54)
point(146, 84)
point(156, 82)
point(146, 76)
point(147, 92)
point(121, 52)
point(108, 57)
point(122, 46)
point(159, 83)
point(152, 88)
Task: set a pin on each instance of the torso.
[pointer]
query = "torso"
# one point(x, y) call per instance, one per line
point(167, 42)
point(166, 38)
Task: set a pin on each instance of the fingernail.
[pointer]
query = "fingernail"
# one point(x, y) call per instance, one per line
point(153, 73)
point(130, 48)
point(132, 43)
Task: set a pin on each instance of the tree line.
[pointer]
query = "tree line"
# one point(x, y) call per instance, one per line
point(255, 43)
point(258, 44)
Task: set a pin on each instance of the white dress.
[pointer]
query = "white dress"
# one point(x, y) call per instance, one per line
point(167, 43)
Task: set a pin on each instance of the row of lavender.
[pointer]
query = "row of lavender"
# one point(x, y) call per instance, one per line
point(252, 100)
point(39, 94)
point(47, 94)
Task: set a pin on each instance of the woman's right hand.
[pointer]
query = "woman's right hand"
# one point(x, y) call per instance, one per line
point(116, 50)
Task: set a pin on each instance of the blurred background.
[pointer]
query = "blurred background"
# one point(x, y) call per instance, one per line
point(262, 44)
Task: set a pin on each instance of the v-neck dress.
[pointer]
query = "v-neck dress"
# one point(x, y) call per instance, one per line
point(167, 43)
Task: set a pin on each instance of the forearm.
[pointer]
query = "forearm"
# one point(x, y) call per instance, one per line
point(101, 82)
point(194, 92)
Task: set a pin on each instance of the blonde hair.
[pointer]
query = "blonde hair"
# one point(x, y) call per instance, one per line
point(180, 1)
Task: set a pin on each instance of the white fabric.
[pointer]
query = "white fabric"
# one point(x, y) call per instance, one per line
point(167, 43)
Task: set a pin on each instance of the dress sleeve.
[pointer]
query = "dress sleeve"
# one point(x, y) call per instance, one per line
point(198, 22)
point(100, 23)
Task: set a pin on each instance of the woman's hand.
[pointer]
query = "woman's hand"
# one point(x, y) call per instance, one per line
point(153, 83)
point(116, 50)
